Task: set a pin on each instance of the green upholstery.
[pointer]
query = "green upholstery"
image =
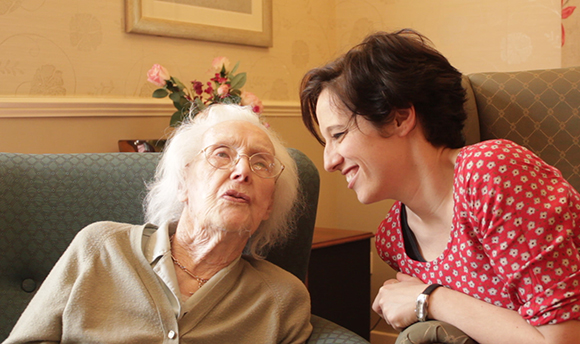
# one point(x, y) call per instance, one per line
point(46, 199)
point(327, 332)
point(433, 331)
point(538, 109)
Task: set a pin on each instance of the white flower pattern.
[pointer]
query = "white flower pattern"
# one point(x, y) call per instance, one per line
point(517, 250)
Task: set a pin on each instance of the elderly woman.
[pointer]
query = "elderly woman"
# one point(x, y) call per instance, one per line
point(484, 237)
point(223, 193)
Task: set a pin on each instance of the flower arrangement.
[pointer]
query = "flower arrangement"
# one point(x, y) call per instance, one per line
point(224, 87)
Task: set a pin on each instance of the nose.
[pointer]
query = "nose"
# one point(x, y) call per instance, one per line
point(242, 170)
point(332, 160)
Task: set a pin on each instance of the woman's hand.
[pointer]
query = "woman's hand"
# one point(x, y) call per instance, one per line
point(396, 299)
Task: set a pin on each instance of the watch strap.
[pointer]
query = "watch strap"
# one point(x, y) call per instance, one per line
point(423, 302)
point(431, 288)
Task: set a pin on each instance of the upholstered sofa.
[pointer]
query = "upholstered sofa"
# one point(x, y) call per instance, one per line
point(46, 199)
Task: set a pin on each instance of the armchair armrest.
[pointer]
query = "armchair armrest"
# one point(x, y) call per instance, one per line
point(327, 332)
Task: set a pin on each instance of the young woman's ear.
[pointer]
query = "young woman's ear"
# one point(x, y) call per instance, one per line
point(405, 120)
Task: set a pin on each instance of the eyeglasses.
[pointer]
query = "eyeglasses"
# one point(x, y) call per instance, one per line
point(222, 157)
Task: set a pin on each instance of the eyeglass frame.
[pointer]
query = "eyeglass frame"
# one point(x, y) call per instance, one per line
point(239, 155)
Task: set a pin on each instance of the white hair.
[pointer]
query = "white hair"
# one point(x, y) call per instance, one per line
point(162, 205)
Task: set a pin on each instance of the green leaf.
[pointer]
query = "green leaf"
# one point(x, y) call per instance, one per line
point(178, 83)
point(199, 104)
point(184, 102)
point(160, 93)
point(176, 119)
point(235, 69)
point(238, 81)
point(232, 99)
point(176, 97)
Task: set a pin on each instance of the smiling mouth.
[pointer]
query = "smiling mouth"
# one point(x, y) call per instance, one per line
point(350, 174)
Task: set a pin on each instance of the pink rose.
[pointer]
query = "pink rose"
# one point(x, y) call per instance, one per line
point(220, 62)
point(223, 90)
point(158, 75)
point(248, 98)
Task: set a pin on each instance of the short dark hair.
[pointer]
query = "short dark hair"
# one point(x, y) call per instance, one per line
point(390, 71)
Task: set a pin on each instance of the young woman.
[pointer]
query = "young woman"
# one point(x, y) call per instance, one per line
point(484, 237)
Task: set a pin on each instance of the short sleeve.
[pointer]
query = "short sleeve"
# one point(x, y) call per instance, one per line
point(526, 218)
point(389, 240)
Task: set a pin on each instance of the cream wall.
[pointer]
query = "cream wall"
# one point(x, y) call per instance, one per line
point(476, 36)
point(79, 48)
point(74, 51)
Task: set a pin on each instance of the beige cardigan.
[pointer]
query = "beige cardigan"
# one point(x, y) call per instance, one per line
point(102, 290)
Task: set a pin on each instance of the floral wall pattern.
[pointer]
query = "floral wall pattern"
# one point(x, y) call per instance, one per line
point(75, 48)
point(79, 48)
point(570, 33)
point(476, 36)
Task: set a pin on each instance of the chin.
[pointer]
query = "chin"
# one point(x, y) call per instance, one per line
point(234, 224)
point(223, 221)
point(366, 199)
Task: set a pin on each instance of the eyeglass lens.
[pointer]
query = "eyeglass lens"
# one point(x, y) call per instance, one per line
point(264, 165)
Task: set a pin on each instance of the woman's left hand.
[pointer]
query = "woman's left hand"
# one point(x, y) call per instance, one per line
point(396, 299)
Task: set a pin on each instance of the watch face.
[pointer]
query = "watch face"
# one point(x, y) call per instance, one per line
point(421, 307)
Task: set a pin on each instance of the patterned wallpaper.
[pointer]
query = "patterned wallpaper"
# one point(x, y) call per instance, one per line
point(80, 48)
point(476, 35)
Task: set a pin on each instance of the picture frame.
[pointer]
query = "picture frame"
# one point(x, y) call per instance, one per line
point(250, 23)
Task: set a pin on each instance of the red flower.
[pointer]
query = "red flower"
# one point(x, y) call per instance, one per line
point(197, 87)
point(218, 79)
point(209, 89)
point(566, 12)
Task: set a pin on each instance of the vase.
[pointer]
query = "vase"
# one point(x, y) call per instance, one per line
point(142, 146)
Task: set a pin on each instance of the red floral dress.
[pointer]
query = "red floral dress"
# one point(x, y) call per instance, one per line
point(515, 236)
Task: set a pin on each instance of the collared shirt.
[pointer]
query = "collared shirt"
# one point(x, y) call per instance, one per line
point(157, 250)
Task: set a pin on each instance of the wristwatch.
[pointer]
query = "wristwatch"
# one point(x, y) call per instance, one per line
point(423, 302)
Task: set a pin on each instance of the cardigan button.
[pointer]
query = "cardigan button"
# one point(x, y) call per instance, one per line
point(28, 285)
point(171, 334)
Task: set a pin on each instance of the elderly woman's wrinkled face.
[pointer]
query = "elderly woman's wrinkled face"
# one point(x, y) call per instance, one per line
point(231, 199)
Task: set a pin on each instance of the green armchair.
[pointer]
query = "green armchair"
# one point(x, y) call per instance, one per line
point(46, 199)
point(539, 109)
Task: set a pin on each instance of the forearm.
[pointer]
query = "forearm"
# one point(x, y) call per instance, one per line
point(486, 323)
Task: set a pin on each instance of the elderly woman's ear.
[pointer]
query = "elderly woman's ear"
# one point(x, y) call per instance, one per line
point(182, 195)
point(182, 189)
point(269, 210)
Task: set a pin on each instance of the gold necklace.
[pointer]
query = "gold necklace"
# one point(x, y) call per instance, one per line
point(200, 281)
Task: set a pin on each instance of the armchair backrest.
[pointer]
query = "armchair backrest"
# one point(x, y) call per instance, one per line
point(538, 109)
point(46, 199)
